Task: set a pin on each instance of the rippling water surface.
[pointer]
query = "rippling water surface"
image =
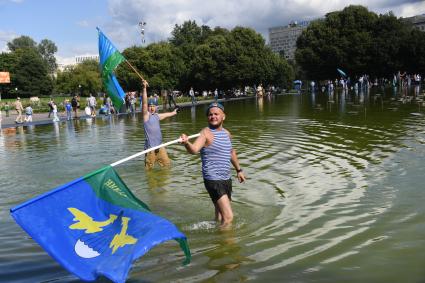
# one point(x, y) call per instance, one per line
point(335, 191)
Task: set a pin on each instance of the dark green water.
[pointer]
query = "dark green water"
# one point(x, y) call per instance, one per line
point(335, 193)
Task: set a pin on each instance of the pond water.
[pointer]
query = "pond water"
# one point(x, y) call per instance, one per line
point(335, 190)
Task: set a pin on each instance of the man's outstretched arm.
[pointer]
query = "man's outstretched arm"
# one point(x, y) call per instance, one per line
point(145, 101)
point(167, 115)
point(197, 145)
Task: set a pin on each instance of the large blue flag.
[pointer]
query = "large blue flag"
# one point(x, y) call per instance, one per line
point(110, 58)
point(95, 226)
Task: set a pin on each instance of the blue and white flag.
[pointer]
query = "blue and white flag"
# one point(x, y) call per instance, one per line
point(94, 226)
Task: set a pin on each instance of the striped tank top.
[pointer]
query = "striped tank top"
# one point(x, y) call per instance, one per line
point(152, 131)
point(216, 157)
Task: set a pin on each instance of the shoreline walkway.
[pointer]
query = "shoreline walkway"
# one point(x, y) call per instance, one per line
point(43, 119)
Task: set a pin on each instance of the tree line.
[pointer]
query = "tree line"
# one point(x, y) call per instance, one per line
point(353, 39)
point(31, 67)
point(206, 59)
point(194, 56)
point(360, 42)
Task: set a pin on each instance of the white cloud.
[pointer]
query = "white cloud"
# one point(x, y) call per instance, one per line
point(162, 15)
point(5, 37)
point(65, 60)
point(78, 50)
point(83, 23)
point(410, 10)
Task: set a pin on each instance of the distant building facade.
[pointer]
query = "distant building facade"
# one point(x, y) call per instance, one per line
point(77, 60)
point(81, 59)
point(285, 38)
point(417, 21)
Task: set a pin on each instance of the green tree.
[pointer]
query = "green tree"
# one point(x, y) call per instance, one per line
point(128, 79)
point(342, 40)
point(30, 74)
point(47, 49)
point(186, 38)
point(7, 64)
point(64, 82)
point(236, 59)
point(205, 59)
point(82, 79)
point(30, 65)
point(209, 63)
point(248, 62)
point(189, 33)
point(21, 42)
point(360, 42)
point(413, 52)
point(160, 63)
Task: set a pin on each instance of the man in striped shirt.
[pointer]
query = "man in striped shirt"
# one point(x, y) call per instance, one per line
point(217, 155)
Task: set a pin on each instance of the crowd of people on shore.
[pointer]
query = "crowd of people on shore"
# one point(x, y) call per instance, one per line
point(168, 98)
point(399, 79)
point(132, 102)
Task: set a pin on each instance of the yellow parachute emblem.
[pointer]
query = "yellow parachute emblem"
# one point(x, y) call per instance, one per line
point(86, 222)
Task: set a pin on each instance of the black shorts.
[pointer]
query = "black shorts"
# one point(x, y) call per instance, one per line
point(217, 188)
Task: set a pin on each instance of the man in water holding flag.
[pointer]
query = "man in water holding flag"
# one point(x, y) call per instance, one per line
point(217, 153)
point(94, 226)
point(153, 130)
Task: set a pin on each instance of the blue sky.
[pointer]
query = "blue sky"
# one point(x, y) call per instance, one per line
point(71, 25)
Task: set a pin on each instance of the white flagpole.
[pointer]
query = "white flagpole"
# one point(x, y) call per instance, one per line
point(151, 149)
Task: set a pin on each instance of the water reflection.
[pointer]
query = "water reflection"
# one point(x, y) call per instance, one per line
point(344, 94)
point(260, 104)
point(327, 190)
point(313, 98)
point(226, 257)
point(158, 178)
point(89, 120)
point(193, 113)
point(416, 92)
point(30, 129)
point(56, 131)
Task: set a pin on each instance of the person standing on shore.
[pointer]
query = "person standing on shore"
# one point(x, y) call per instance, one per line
point(68, 109)
point(192, 96)
point(260, 90)
point(153, 135)
point(92, 105)
point(50, 104)
point(28, 114)
point(217, 154)
point(170, 98)
point(55, 112)
point(74, 104)
point(7, 108)
point(19, 109)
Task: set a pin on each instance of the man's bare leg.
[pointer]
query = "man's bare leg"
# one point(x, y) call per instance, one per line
point(225, 210)
point(218, 216)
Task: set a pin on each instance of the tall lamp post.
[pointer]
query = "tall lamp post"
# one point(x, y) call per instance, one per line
point(142, 25)
point(79, 90)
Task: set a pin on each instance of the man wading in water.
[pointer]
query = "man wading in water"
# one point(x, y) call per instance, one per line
point(153, 131)
point(217, 153)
